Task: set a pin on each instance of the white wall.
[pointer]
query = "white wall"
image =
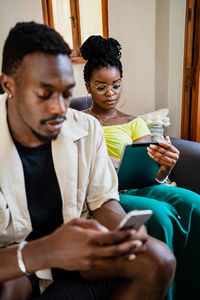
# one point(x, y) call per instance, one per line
point(132, 23)
point(169, 51)
point(151, 33)
point(13, 11)
point(162, 53)
point(176, 55)
point(152, 36)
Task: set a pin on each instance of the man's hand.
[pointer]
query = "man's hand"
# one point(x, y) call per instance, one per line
point(85, 244)
point(166, 155)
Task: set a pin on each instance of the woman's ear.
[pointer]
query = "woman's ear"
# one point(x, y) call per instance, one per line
point(7, 84)
point(87, 85)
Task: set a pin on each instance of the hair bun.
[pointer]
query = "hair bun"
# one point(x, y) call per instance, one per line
point(98, 47)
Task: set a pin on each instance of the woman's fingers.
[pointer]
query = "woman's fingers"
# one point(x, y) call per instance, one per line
point(162, 159)
point(165, 154)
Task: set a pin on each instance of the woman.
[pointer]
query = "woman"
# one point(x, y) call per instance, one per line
point(176, 211)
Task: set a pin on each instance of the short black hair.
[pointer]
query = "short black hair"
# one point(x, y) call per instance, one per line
point(29, 37)
point(100, 53)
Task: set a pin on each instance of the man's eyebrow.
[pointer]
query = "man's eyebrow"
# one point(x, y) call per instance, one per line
point(49, 85)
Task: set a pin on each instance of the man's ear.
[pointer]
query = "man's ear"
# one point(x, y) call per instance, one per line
point(87, 85)
point(7, 84)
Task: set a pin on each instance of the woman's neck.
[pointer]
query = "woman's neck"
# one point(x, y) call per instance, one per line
point(105, 117)
point(104, 113)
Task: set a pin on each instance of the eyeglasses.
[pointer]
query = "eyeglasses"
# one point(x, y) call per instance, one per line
point(103, 88)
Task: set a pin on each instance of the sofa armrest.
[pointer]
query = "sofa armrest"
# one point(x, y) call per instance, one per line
point(187, 170)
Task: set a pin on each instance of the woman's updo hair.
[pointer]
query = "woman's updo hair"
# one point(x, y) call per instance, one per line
point(100, 53)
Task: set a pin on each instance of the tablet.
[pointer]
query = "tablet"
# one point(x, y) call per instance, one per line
point(136, 169)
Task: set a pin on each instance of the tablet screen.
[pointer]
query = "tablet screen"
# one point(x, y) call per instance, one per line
point(136, 168)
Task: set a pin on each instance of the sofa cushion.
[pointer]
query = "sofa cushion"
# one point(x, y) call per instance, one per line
point(156, 122)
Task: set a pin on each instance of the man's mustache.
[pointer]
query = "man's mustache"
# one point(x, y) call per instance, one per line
point(55, 118)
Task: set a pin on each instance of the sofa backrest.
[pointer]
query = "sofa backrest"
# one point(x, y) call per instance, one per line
point(186, 172)
point(81, 103)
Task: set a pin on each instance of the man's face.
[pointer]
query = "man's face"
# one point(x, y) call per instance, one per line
point(42, 94)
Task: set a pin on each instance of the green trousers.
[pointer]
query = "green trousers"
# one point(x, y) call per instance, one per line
point(175, 221)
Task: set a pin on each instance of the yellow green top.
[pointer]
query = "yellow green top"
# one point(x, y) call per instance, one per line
point(118, 135)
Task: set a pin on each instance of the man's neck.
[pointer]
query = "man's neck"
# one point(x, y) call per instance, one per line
point(23, 137)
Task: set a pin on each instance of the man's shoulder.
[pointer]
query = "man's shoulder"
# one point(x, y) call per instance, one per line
point(3, 98)
point(82, 118)
point(80, 125)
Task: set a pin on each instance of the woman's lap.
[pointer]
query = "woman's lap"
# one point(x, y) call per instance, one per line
point(176, 221)
point(163, 200)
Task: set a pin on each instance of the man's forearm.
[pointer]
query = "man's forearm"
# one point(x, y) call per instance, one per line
point(110, 214)
point(34, 256)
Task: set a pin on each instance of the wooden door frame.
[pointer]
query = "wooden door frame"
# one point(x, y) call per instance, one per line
point(190, 122)
point(187, 68)
point(195, 104)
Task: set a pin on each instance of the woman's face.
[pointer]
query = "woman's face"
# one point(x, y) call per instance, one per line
point(105, 87)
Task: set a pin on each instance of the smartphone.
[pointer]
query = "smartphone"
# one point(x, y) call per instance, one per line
point(134, 219)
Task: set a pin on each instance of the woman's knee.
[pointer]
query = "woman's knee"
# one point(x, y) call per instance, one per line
point(160, 225)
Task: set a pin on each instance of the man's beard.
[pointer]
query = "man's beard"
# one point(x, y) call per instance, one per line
point(43, 138)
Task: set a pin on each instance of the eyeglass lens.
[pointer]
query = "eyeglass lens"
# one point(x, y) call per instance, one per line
point(103, 88)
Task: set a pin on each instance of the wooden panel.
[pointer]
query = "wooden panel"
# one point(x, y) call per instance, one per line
point(104, 6)
point(76, 30)
point(187, 69)
point(195, 107)
point(47, 10)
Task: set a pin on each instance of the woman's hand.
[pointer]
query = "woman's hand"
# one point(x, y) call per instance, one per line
point(166, 155)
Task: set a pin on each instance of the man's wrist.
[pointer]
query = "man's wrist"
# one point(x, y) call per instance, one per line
point(20, 259)
point(36, 255)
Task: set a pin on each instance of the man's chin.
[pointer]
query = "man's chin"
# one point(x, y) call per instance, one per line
point(44, 138)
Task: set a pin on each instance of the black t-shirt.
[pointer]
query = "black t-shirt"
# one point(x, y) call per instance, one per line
point(42, 189)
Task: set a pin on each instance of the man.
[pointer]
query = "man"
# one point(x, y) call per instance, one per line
point(54, 167)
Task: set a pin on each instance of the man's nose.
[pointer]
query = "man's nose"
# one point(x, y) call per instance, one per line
point(58, 106)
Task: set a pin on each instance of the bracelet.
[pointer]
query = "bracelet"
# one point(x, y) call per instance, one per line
point(161, 181)
point(20, 258)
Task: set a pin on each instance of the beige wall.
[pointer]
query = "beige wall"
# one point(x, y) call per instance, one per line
point(176, 55)
point(152, 35)
point(132, 23)
point(162, 53)
point(169, 51)
point(12, 11)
